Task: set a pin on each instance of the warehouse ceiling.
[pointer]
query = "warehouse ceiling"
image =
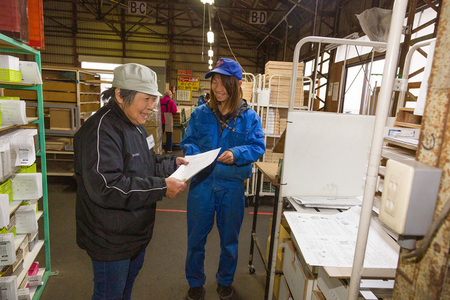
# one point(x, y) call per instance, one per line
point(286, 21)
point(176, 29)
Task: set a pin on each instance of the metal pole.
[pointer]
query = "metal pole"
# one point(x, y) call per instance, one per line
point(390, 68)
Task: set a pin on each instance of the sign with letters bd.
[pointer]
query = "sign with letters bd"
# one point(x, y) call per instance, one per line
point(258, 17)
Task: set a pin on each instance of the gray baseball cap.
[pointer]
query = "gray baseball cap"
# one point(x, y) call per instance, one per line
point(136, 77)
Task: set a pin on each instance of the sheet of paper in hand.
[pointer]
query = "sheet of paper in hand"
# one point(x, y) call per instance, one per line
point(196, 164)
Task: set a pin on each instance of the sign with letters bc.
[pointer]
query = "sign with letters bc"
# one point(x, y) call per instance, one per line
point(137, 8)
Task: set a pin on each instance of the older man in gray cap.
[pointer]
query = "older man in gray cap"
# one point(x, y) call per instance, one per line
point(120, 179)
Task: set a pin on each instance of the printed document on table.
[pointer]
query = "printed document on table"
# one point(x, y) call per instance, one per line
point(196, 164)
point(328, 202)
point(330, 240)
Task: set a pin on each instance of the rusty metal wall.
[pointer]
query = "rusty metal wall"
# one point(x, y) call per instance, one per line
point(428, 277)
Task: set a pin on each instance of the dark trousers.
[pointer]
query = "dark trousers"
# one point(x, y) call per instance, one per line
point(169, 142)
point(114, 279)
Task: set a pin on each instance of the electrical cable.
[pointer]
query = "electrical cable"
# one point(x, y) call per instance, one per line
point(203, 35)
point(228, 43)
point(315, 17)
point(430, 233)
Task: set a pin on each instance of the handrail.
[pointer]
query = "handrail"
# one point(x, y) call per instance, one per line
point(321, 39)
point(407, 65)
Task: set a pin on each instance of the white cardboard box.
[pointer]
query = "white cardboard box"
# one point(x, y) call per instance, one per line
point(8, 287)
point(285, 293)
point(9, 62)
point(300, 285)
point(332, 288)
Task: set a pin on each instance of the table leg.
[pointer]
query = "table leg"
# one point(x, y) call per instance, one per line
point(251, 268)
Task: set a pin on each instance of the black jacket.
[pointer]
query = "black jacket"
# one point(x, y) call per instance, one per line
point(117, 188)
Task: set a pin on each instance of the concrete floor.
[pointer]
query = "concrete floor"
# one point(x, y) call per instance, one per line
point(162, 276)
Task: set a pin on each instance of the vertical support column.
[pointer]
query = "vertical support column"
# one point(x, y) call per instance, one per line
point(170, 40)
point(76, 63)
point(390, 68)
point(428, 277)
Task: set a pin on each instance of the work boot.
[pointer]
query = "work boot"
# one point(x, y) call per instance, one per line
point(196, 293)
point(225, 292)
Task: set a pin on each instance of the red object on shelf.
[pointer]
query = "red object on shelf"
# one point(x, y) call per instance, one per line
point(14, 19)
point(34, 269)
point(36, 24)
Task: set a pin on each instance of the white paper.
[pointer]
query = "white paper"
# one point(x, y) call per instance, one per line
point(13, 112)
point(335, 91)
point(196, 164)
point(329, 240)
point(23, 152)
point(27, 186)
point(5, 159)
point(26, 220)
point(404, 140)
point(328, 202)
point(4, 210)
point(30, 72)
point(7, 251)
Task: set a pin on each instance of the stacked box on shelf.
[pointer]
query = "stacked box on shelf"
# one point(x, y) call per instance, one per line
point(177, 135)
point(247, 90)
point(153, 126)
point(277, 120)
point(60, 87)
point(272, 157)
point(178, 118)
point(280, 86)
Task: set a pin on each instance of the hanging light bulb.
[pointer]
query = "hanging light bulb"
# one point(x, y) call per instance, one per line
point(210, 53)
point(210, 37)
point(210, 61)
point(210, 67)
point(210, 2)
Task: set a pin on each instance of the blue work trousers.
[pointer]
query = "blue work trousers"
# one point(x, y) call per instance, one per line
point(226, 201)
point(113, 280)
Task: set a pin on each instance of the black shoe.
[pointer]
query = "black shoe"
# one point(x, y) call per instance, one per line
point(225, 292)
point(196, 293)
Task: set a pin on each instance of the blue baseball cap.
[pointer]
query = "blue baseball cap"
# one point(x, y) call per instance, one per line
point(228, 67)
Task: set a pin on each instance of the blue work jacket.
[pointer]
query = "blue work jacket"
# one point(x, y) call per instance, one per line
point(244, 136)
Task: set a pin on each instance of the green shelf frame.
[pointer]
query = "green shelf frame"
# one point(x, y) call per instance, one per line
point(10, 45)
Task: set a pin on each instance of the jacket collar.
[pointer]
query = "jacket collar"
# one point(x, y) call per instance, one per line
point(119, 111)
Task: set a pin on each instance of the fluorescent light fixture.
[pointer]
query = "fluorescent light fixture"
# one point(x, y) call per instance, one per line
point(210, 61)
point(211, 2)
point(210, 37)
point(210, 53)
point(210, 67)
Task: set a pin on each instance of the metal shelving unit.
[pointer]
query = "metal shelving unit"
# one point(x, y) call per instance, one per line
point(9, 45)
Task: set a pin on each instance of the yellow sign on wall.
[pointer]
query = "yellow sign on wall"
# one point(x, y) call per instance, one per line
point(188, 83)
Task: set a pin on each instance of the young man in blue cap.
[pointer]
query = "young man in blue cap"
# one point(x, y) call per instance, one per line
point(224, 122)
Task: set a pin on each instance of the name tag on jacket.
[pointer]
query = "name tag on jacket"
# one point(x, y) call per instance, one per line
point(150, 141)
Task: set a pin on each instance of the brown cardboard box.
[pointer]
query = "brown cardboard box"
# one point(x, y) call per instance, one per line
point(31, 112)
point(60, 118)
